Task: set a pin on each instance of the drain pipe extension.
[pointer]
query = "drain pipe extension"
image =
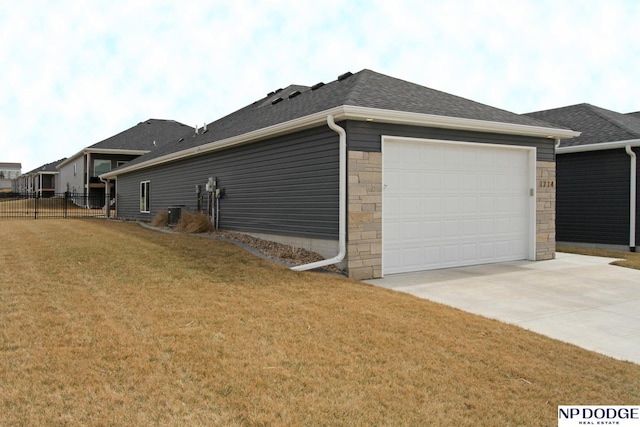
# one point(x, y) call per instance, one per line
point(342, 206)
point(632, 200)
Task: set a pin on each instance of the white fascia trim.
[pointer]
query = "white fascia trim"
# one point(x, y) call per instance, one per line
point(403, 117)
point(348, 112)
point(115, 151)
point(599, 147)
point(315, 119)
point(69, 159)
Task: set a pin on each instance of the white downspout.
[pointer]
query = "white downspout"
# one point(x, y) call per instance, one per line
point(342, 245)
point(632, 200)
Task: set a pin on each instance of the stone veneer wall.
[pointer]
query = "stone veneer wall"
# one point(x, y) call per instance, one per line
point(364, 218)
point(545, 211)
point(364, 232)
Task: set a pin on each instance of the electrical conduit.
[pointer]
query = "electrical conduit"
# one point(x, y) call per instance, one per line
point(342, 206)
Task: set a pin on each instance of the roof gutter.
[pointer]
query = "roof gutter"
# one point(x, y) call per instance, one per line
point(599, 147)
point(348, 112)
point(342, 242)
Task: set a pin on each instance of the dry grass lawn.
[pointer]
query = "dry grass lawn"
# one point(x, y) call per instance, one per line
point(107, 323)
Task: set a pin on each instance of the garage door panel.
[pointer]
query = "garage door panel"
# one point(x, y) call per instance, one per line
point(458, 204)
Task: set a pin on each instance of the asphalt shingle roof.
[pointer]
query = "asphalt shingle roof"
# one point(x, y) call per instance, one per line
point(143, 135)
point(597, 124)
point(49, 167)
point(363, 89)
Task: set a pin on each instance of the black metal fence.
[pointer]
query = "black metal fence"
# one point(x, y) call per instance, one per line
point(51, 205)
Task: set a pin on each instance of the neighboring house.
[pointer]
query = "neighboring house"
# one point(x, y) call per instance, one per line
point(597, 177)
point(40, 181)
point(79, 173)
point(391, 175)
point(8, 173)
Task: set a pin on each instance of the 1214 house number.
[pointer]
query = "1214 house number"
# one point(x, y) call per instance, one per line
point(546, 184)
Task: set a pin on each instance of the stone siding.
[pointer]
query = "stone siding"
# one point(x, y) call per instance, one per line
point(545, 211)
point(364, 225)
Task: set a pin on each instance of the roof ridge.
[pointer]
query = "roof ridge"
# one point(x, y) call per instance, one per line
point(353, 93)
point(612, 119)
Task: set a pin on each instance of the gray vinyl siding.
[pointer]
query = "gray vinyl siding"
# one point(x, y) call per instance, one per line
point(286, 185)
point(365, 136)
point(592, 197)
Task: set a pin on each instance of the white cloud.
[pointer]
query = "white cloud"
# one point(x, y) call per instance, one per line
point(75, 73)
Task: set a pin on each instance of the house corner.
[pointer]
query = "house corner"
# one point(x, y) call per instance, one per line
point(364, 232)
point(545, 210)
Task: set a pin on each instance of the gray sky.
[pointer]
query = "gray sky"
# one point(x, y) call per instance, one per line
point(76, 72)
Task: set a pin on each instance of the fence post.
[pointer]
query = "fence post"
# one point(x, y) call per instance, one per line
point(35, 206)
point(66, 203)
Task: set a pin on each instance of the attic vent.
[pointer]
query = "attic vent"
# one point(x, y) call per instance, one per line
point(294, 94)
point(275, 101)
point(317, 86)
point(345, 76)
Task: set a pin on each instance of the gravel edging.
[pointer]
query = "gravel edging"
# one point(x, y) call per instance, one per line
point(278, 253)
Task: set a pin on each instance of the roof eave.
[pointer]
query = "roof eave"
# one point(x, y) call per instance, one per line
point(431, 120)
point(348, 112)
point(599, 146)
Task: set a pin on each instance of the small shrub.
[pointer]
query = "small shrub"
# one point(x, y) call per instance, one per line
point(161, 220)
point(194, 223)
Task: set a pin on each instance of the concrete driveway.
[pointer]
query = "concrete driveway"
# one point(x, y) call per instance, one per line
point(578, 299)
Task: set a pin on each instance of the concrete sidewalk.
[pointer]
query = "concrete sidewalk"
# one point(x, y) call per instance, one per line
point(578, 299)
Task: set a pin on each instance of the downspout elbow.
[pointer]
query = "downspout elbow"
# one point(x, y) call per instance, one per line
point(342, 245)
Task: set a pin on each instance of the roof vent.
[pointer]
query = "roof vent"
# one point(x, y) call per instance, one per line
point(275, 101)
point(345, 76)
point(270, 93)
point(294, 94)
point(317, 86)
point(279, 90)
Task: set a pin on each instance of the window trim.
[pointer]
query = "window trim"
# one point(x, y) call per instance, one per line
point(96, 163)
point(145, 203)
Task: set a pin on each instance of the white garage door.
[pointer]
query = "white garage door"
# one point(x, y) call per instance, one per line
point(449, 204)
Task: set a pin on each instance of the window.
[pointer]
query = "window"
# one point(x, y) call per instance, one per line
point(101, 166)
point(144, 197)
